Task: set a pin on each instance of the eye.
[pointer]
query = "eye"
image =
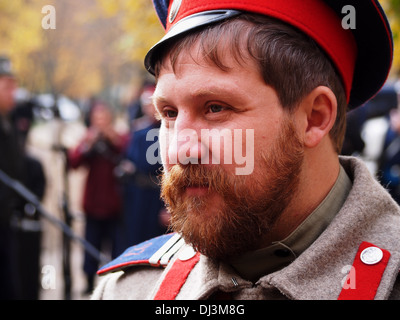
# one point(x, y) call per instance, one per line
point(169, 113)
point(214, 108)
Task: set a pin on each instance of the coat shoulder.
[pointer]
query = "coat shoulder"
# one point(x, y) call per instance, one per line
point(132, 284)
point(135, 273)
point(156, 252)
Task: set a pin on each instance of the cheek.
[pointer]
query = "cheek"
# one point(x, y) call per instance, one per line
point(259, 144)
point(244, 151)
point(166, 148)
point(164, 153)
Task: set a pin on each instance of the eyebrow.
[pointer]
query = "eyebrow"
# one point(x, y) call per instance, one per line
point(158, 99)
point(201, 93)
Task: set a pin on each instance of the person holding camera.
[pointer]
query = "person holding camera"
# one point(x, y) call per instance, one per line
point(100, 151)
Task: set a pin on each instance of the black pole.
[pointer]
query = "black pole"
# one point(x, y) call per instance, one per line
point(66, 240)
point(30, 197)
point(66, 244)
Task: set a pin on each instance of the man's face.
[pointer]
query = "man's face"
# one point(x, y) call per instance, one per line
point(221, 211)
point(7, 90)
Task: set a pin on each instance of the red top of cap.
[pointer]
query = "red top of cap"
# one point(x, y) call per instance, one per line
point(362, 56)
point(313, 17)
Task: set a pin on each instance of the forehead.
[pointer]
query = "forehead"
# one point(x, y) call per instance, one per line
point(101, 110)
point(199, 75)
point(214, 44)
point(209, 49)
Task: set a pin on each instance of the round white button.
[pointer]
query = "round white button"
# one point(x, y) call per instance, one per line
point(371, 255)
point(187, 253)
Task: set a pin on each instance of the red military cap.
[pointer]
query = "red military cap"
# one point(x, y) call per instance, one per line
point(362, 54)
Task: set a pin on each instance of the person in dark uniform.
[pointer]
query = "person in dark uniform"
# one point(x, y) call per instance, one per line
point(11, 162)
point(26, 222)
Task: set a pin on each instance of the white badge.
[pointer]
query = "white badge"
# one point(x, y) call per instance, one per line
point(174, 10)
point(371, 255)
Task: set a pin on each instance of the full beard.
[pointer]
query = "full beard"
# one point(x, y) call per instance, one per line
point(238, 211)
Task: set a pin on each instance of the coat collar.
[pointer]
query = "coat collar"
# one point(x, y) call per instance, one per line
point(282, 253)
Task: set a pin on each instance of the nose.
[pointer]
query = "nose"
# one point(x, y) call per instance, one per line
point(186, 147)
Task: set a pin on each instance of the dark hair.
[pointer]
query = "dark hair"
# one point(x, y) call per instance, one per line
point(289, 61)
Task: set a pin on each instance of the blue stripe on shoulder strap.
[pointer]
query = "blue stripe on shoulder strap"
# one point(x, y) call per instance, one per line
point(139, 254)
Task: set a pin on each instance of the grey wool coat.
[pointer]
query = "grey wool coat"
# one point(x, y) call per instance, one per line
point(368, 214)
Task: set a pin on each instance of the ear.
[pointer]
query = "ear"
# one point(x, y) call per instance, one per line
point(319, 109)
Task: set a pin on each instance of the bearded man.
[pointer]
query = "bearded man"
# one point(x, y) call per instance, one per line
point(303, 217)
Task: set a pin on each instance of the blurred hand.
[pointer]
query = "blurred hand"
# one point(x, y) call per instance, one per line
point(91, 136)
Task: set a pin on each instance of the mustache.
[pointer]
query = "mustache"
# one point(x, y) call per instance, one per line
point(180, 177)
point(192, 175)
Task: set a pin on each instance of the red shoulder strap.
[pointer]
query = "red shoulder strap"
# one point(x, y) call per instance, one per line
point(176, 277)
point(366, 273)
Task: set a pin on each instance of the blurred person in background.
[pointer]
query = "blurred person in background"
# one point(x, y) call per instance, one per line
point(100, 151)
point(388, 163)
point(134, 108)
point(144, 212)
point(26, 219)
point(20, 227)
point(379, 106)
point(11, 162)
